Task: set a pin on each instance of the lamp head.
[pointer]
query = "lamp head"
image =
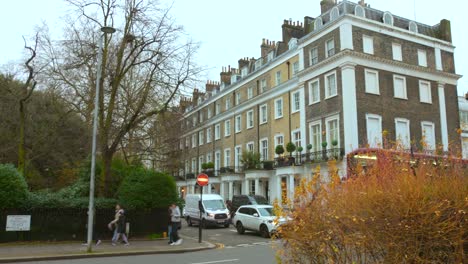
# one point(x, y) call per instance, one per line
point(108, 30)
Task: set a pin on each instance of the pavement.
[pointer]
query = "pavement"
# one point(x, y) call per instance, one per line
point(42, 251)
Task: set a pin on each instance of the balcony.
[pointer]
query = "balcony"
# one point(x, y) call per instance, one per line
point(311, 157)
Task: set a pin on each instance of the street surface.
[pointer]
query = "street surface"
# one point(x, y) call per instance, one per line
point(234, 248)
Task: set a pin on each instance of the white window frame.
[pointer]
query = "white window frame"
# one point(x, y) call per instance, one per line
point(217, 108)
point(201, 137)
point(201, 160)
point(296, 102)
point(311, 99)
point(237, 156)
point(228, 102)
point(209, 113)
point(397, 52)
point(326, 85)
point(238, 123)
point(187, 142)
point(428, 123)
point(194, 165)
point(296, 142)
point(386, 16)
point(368, 44)
point(248, 146)
point(313, 56)
point(422, 57)
point(244, 71)
point(316, 146)
point(263, 85)
point(276, 142)
point(330, 51)
point(209, 157)
point(262, 156)
point(327, 130)
point(295, 68)
point(227, 157)
point(279, 112)
point(249, 119)
point(227, 128)
point(194, 140)
point(421, 90)
point(250, 92)
point(208, 135)
point(368, 89)
point(218, 131)
point(378, 143)
point(217, 160)
point(201, 117)
point(277, 78)
point(405, 94)
point(263, 116)
point(406, 142)
point(238, 97)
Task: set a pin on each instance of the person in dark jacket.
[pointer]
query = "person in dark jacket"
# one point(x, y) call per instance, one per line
point(119, 224)
point(169, 225)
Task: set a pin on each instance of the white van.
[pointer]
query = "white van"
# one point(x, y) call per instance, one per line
point(214, 211)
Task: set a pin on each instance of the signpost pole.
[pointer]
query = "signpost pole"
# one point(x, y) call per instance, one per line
point(201, 207)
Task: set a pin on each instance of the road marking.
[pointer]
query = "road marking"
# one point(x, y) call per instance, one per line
point(244, 245)
point(261, 243)
point(233, 230)
point(218, 261)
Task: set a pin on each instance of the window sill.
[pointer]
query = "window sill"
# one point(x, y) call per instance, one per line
point(295, 111)
point(401, 98)
point(250, 127)
point(425, 102)
point(331, 96)
point(316, 102)
point(264, 123)
point(278, 117)
point(372, 93)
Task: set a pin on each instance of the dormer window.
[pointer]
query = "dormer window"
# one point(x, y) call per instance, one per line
point(388, 18)
point(234, 78)
point(413, 27)
point(244, 71)
point(271, 55)
point(258, 64)
point(318, 23)
point(292, 43)
point(334, 13)
point(359, 11)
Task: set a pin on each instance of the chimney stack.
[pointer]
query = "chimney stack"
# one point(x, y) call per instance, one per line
point(326, 5)
point(292, 29)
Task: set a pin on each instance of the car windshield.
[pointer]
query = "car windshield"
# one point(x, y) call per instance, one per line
point(260, 200)
point(214, 204)
point(268, 211)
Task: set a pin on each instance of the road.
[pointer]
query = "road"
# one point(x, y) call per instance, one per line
point(234, 248)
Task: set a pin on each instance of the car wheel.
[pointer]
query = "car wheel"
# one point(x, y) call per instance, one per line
point(189, 221)
point(264, 231)
point(240, 228)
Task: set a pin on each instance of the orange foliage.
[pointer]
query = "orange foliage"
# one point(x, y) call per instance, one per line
point(387, 215)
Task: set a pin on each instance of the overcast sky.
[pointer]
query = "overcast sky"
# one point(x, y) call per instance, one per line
point(230, 30)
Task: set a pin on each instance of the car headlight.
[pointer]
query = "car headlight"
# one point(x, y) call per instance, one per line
point(210, 215)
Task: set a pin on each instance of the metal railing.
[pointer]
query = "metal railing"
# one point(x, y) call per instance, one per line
point(310, 157)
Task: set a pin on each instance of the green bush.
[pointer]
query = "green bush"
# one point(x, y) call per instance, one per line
point(250, 159)
point(145, 189)
point(13, 187)
point(279, 150)
point(290, 147)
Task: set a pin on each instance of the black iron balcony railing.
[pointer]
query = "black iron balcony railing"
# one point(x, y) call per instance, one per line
point(310, 157)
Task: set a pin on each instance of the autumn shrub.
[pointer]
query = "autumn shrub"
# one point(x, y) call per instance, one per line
point(393, 213)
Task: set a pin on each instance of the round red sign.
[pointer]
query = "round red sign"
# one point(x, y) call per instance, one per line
point(202, 179)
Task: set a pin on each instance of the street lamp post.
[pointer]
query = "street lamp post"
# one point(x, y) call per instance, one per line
point(104, 30)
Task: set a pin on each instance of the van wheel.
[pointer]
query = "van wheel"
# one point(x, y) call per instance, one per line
point(264, 231)
point(189, 221)
point(240, 228)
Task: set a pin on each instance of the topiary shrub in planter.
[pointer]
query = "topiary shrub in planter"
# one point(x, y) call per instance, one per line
point(13, 187)
point(290, 147)
point(279, 150)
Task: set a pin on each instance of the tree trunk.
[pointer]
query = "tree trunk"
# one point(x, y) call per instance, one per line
point(21, 150)
point(106, 183)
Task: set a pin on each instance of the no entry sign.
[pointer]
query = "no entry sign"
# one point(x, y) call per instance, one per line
point(202, 179)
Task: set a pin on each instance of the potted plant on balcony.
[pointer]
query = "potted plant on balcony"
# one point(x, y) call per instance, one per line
point(290, 147)
point(279, 150)
point(324, 150)
point(308, 147)
point(250, 159)
point(335, 151)
point(300, 149)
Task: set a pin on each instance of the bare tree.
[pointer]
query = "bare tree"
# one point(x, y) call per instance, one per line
point(146, 63)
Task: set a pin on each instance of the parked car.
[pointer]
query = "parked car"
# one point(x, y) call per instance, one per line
point(258, 218)
point(239, 200)
point(214, 211)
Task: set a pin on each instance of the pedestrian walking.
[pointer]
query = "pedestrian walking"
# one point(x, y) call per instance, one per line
point(175, 222)
point(169, 225)
point(119, 225)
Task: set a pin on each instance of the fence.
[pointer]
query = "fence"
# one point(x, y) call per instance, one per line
point(71, 224)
